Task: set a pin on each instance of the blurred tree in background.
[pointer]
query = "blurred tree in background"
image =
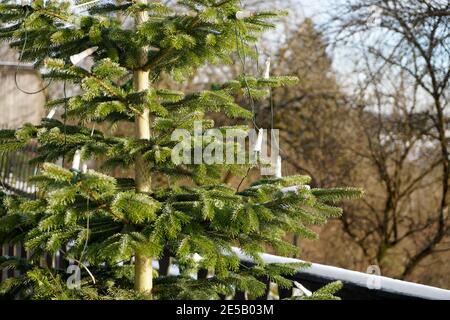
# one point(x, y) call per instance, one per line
point(402, 106)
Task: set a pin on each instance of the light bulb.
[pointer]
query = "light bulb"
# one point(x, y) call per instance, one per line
point(51, 114)
point(299, 290)
point(191, 13)
point(77, 58)
point(196, 257)
point(76, 160)
point(278, 168)
point(259, 139)
point(267, 71)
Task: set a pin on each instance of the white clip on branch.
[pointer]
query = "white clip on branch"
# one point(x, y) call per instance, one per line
point(52, 112)
point(240, 15)
point(258, 144)
point(295, 188)
point(77, 58)
point(289, 189)
point(278, 168)
point(76, 160)
point(300, 291)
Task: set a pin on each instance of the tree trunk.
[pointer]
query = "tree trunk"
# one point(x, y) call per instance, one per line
point(143, 264)
point(143, 274)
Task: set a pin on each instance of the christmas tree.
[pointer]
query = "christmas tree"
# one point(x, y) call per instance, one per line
point(113, 228)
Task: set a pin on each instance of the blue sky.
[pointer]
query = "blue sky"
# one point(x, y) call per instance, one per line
point(313, 7)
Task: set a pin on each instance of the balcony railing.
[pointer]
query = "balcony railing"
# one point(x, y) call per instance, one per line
point(15, 171)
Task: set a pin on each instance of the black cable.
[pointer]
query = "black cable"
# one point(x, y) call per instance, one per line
point(257, 59)
point(271, 101)
point(243, 63)
point(252, 103)
point(20, 59)
point(271, 109)
point(245, 177)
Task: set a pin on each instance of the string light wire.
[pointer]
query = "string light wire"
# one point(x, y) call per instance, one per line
point(16, 82)
point(243, 58)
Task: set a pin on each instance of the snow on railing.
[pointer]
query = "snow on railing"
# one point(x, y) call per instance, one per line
point(348, 277)
point(359, 279)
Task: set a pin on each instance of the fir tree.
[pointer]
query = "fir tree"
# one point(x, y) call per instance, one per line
point(113, 228)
